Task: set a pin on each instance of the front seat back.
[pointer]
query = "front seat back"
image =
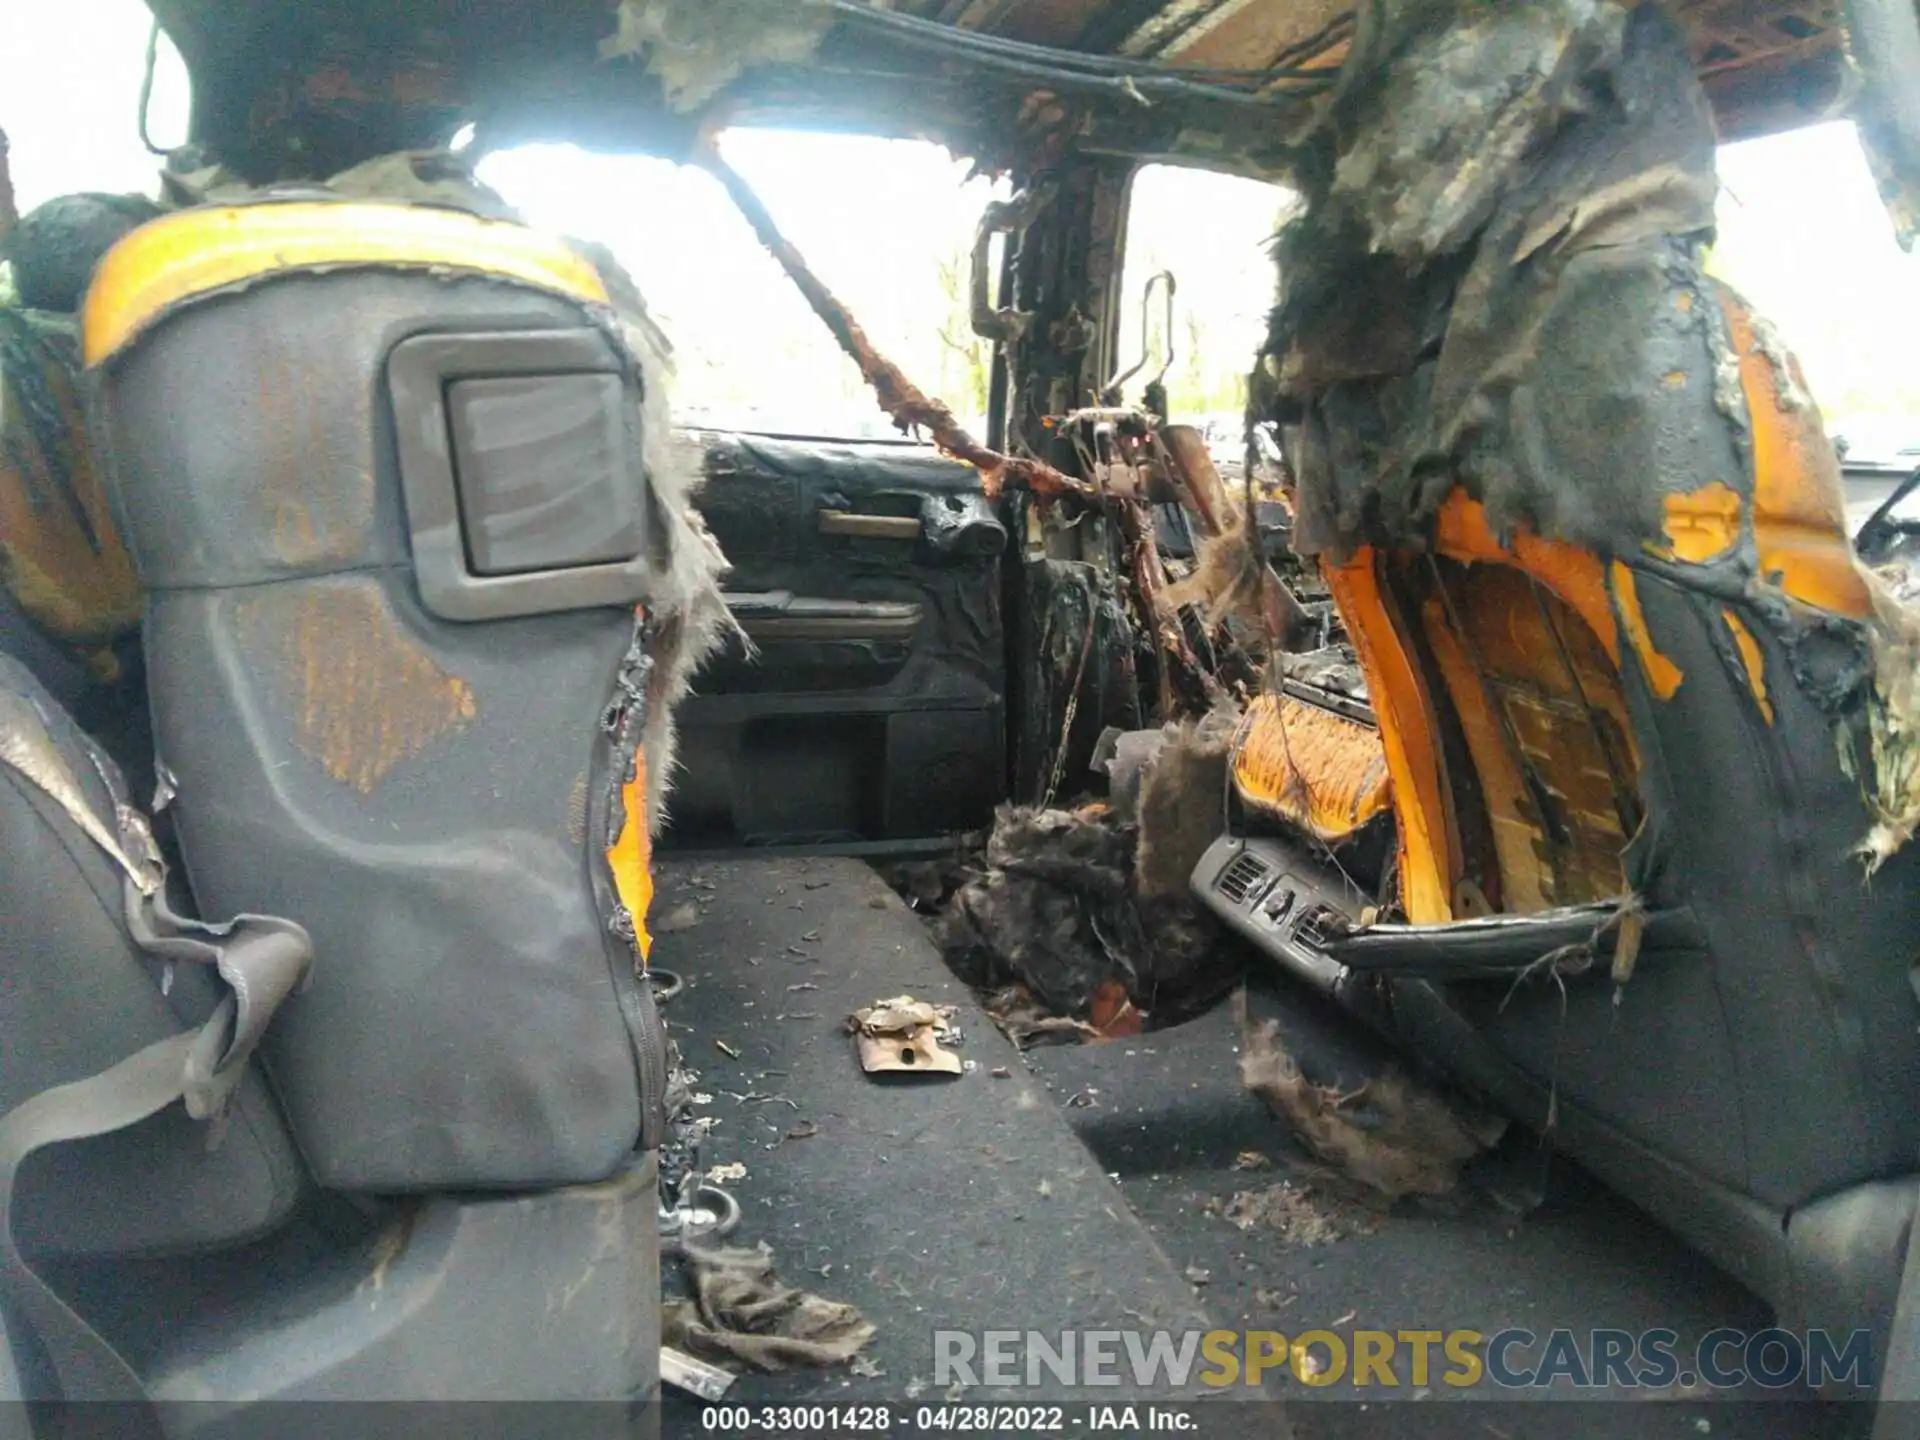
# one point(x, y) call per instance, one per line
point(1679, 730)
point(380, 469)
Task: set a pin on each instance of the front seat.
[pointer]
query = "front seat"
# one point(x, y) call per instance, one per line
point(1681, 735)
point(383, 473)
point(380, 467)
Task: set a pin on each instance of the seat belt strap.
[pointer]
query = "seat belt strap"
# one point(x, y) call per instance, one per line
point(88, 1367)
point(262, 959)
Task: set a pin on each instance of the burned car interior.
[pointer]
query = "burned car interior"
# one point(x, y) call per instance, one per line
point(1510, 695)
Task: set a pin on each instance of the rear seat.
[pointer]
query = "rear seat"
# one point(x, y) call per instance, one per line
point(78, 994)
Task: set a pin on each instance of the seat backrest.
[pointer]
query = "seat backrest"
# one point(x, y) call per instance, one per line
point(388, 503)
point(1676, 727)
point(1496, 674)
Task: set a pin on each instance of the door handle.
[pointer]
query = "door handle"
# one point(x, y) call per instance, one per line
point(782, 615)
point(869, 527)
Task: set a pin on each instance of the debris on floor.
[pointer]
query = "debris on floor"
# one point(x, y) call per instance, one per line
point(1058, 927)
point(903, 1036)
point(1183, 802)
point(1296, 1214)
point(1023, 1020)
point(741, 1310)
point(694, 1375)
point(671, 922)
point(1112, 1011)
point(1111, 1015)
point(927, 885)
point(1051, 911)
point(686, 1130)
point(1392, 1135)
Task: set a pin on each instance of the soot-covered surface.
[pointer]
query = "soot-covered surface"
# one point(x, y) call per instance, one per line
point(962, 1203)
point(1083, 1188)
point(1167, 1114)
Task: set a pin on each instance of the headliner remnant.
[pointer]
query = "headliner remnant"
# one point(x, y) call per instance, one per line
point(698, 48)
point(1498, 259)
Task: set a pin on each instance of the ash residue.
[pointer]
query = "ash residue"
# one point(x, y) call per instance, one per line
point(1296, 1214)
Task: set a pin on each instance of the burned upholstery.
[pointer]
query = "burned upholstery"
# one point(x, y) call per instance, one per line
point(1323, 773)
point(1575, 507)
point(1501, 315)
point(1508, 353)
point(59, 553)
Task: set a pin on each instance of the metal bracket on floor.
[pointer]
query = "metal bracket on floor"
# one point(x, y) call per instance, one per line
point(695, 1376)
point(704, 1212)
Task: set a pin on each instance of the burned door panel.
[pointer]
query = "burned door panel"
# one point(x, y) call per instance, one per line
point(870, 708)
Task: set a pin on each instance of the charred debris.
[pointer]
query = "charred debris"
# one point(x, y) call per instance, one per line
point(1074, 915)
point(1493, 310)
point(1078, 919)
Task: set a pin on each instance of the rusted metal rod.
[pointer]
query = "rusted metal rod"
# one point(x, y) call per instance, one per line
point(910, 407)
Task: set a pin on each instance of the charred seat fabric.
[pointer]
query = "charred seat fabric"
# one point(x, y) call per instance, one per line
point(380, 469)
point(1575, 507)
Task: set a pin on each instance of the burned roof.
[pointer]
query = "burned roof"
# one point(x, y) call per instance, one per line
point(289, 87)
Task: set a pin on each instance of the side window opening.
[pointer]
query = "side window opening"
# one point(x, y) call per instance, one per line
point(1214, 234)
point(887, 224)
point(1804, 237)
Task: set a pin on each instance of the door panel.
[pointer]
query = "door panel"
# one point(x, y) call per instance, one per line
point(867, 577)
